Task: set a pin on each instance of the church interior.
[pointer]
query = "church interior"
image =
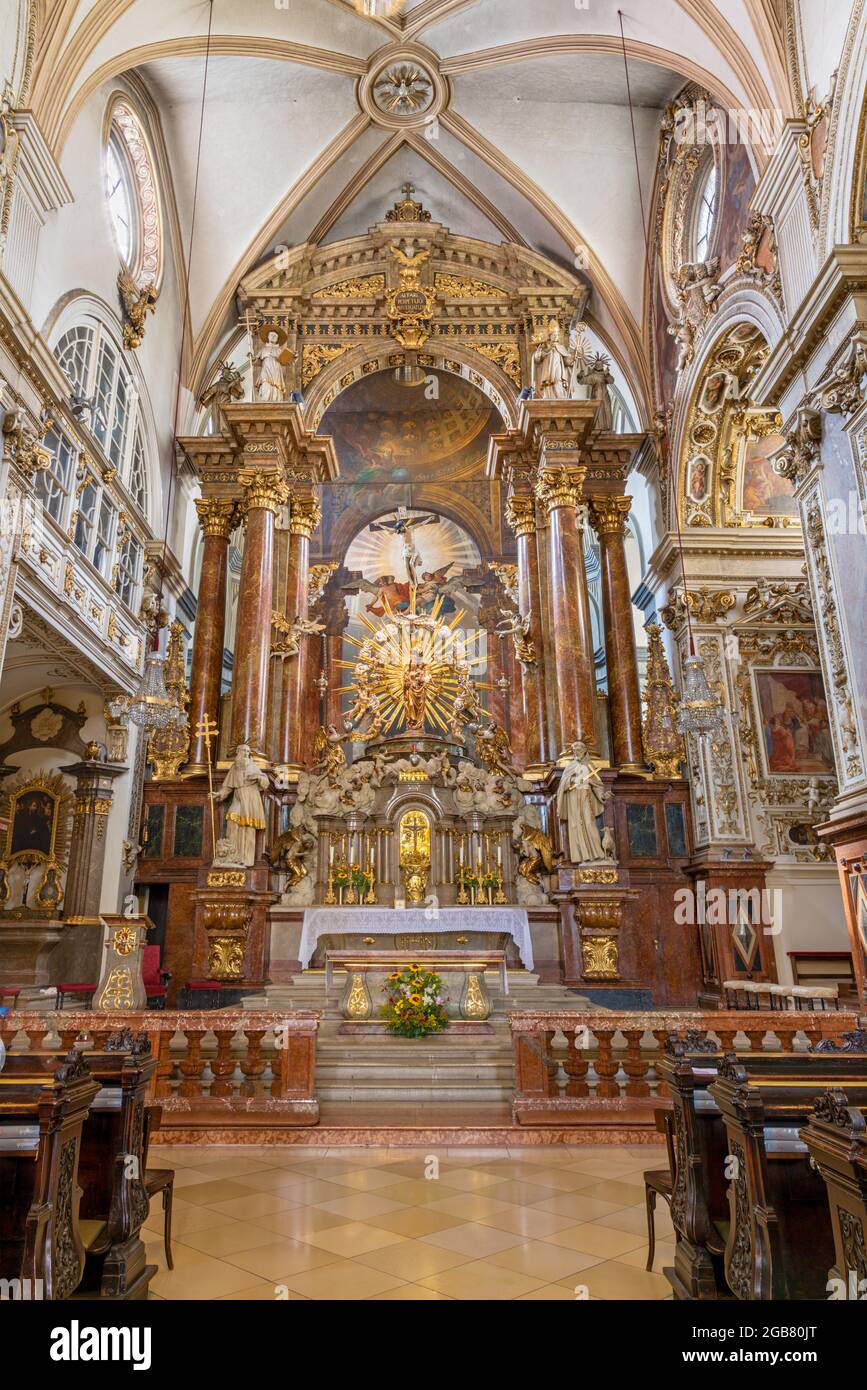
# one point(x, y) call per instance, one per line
point(433, 675)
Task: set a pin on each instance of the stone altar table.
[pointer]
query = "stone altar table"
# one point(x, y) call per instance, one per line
point(389, 921)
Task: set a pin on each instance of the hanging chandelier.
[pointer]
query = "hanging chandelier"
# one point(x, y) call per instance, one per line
point(700, 712)
point(152, 707)
point(378, 9)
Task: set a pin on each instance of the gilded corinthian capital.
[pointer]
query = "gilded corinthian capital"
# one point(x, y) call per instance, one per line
point(265, 489)
point(305, 514)
point(560, 486)
point(608, 515)
point(218, 516)
point(521, 514)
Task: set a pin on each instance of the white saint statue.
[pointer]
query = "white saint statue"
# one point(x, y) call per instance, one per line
point(269, 363)
point(580, 799)
point(552, 366)
point(244, 784)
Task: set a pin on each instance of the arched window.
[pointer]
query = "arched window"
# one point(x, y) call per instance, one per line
point(704, 216)
point(107, 400)
point(132, 196)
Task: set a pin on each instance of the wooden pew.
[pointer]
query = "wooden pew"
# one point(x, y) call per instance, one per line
point(41, 1122)
point(114, 1201)
point(836, 1138)
point(700, 1208)
point(780, 1241)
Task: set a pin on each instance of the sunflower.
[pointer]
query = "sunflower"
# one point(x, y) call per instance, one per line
point(415, 999)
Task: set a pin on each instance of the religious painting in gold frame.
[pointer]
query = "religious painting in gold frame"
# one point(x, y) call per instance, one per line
point(752, 493)
point(36, 812)
point(414, 843)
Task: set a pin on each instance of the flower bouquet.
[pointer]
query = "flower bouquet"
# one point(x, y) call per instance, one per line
point(415, 1003)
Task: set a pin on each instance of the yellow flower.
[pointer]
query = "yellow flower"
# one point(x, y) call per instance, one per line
point(395, 975)
point(415, 968)
point(415, 998)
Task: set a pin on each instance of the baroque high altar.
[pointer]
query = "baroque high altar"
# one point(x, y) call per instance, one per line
point(395, 695)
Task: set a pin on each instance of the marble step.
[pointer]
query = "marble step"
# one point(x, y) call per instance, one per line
point(398, 1093)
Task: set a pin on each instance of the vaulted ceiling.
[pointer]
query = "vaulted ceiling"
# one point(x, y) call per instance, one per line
point(532, 140)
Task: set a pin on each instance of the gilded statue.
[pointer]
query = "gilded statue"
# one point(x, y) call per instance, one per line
point(535, 851)
point(288, 851)
point(466, 708)
point(518, 628)
point(580, 800)
point(416, 679)
point(328, 755)
point(494, 749)
point(245, 781)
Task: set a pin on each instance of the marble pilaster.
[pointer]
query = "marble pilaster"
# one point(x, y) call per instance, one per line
point(608, 517)
point(304, 517)
point(217, 517)
point(521, 516)
point(264, 491)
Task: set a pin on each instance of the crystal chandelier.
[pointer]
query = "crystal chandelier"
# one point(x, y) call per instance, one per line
point(378, 9)
point(700, 712)
point(152, 707)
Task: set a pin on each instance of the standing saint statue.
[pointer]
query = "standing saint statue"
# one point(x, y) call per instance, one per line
point(269, 363)
point(580, 799)
point(416, 680)
point(244, 784)
point(552, 365)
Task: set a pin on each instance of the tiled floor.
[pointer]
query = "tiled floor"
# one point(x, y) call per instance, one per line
point(354, 1223)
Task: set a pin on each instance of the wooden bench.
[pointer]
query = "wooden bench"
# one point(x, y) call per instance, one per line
point(780, 1242)
point(111, 1163)
point(836, 1139)
point(41, 1122)
point(700, 1205)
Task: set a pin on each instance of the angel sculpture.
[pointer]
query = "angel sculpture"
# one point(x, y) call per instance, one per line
point(495, 750)
point(328, 754)
point(367, 705)
point(290, 634)
point(535, 851)
point(137, 304)
point(288, 851)
point(466, 708)
point(518, 628)
point(226, 388)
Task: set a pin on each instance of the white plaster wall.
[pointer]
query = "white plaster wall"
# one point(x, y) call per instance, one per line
point(812, 912)
point(823, 28)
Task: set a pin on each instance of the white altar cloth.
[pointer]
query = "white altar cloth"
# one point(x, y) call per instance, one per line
point(389, 921)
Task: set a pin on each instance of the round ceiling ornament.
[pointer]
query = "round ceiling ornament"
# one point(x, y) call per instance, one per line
point(403, 89)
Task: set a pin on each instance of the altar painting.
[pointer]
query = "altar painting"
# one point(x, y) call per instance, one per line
point(796, 732)
point(446, 553)
point(764, 492)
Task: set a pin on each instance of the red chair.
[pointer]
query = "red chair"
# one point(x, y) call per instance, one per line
point(154, 977)
point(10, 992)
point(88, 991)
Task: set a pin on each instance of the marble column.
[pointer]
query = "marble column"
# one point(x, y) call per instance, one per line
point(217, 518)
point(558, 489)
point(521, 516)
point(304, 516)
point(264, 492)
point(608, 518)
point(94, 792)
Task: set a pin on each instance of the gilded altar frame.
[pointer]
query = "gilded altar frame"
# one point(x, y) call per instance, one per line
point(57, 845)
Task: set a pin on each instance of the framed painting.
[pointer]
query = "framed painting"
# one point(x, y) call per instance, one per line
point(641, 830)
point(795, 727)
point(37, 811)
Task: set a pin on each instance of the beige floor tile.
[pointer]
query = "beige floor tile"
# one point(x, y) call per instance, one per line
point(520, 1193)
point(562, 1179)
point(253, 1204)
point(227, 1240)
point(597, 1240)
point(419, 1193)
point(277, 1180)
point(469, 1179)
point(414, 1221)
point(346, 1279)
point(208, 1194)
point(354, 1238)
point(614, 1280)
point(414, 1259)
point(185, 1219)
point(242, 1166)
point(541, 1259)
point(663, 1256)
point(359, 1206)
point(280, 1259)
point(205, 1279)
point(548, 1293)
point(410, 1293)
point(622, 1193)
point(469, 1205)
point(575, 1204)
point(528, 1222)
point(299, 1222)
point(632, 1219)
point(189, 1177)
point(369, 1179)
point(481, 1280)
point(183, 1255)
point(307, 1191)
point(266, 1292)
point(474, 1241)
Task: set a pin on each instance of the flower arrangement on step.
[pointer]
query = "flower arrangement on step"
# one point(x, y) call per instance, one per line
point(415, 1005)
point(354, 884)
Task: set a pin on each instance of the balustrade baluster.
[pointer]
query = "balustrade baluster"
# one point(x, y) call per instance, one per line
point(605, 1064)
point(253, 1064)
point(576, 1064)
point(223, 1065)
point(192, 1064)
point(635, 1064)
